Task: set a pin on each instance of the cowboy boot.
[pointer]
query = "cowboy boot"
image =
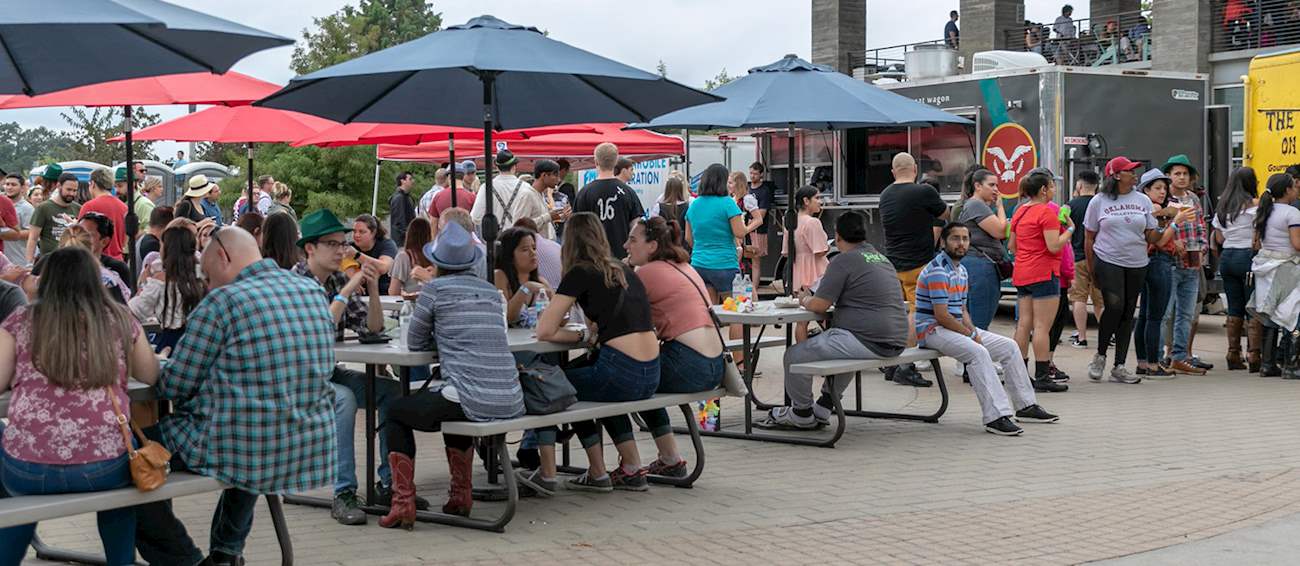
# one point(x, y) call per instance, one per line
point(1235, 362)
point(402, 511)
point(1254, 337)
point(1268, 354)
point(460, 495)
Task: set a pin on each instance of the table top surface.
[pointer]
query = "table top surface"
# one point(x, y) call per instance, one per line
point(521, 340)
point(766, 312)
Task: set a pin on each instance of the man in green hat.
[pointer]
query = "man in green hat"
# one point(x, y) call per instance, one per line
point(58, 211)
point(1191, 246)
point(49, 179)
point(323, 241)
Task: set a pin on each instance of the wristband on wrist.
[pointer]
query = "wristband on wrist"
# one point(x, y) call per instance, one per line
point(341, 299)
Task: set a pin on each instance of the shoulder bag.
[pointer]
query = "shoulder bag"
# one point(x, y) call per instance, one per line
point(149, 462)
point(732, 381)
point(546, 389)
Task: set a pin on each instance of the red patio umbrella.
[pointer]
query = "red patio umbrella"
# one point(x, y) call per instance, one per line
point(631, 143)
point(237, 124)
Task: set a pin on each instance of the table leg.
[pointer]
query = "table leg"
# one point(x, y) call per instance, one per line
point(746, 346)
point(371, 375)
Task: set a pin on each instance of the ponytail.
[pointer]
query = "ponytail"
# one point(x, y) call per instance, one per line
point(1276, 188)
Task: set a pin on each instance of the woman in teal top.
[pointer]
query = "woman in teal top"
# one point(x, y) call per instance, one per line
point(713, 226)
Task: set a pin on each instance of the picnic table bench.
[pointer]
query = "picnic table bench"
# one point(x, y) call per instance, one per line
point(24, 509)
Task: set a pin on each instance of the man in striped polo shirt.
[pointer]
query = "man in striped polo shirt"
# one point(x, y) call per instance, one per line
point(943, 324)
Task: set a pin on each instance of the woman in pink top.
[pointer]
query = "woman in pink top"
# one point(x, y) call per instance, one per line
point(811, 246)
point(690, 358)
point(63, 434)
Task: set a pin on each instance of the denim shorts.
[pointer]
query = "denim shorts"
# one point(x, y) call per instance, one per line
point(718, 279)
point(1041, 290)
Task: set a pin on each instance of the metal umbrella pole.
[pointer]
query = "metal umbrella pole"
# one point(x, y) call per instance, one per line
point(489, 219)
point(374, 193)
point(451, 168)
point(250, 205)
point(131, 220)
point(791, 217)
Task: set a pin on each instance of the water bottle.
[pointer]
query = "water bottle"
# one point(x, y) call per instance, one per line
point(404, 324)
point(749, 290)
point(505, 309)
point(539, 305)
point(737, 286)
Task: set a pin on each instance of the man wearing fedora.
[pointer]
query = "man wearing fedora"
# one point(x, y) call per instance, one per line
point(459, 315)
point(323, 239)
point(191, 206)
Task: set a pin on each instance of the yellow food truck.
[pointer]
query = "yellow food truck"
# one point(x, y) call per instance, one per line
point(1272, 113)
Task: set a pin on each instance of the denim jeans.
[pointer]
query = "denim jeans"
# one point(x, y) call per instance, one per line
point(985, 289)
point(349, 393)
point(163, 539)
point(1234, 266)
point(614, 377)
point(116, 526)
point(1184, 284)
point(681, 370)
point(1155, 301)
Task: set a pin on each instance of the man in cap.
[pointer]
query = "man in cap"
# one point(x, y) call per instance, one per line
point(16, 249)
point(512, 197)
point(610, 199)
point(48, 181)
point(323, 239)
point(103, 202)
point(465, 198)
point(467, 172)
point(401, 207)
point(191, 206)
point(53, 216)
point(1191, 244)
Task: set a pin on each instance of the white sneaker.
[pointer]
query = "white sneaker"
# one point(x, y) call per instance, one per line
point(1097, 367)
point(1121, 374)
point(923, 365)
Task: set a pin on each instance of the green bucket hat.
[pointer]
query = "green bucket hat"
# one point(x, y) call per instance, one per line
point(52, 172)
point(119, 175)
point(1179, 159)
point(319, 223)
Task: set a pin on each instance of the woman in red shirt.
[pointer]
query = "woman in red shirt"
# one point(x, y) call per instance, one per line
point(1036, 242)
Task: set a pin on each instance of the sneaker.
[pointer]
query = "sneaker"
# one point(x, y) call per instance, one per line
point(1182, 366)
point(1197, 363)
point(907, 375)
point(1056, 374)
point(822, 414)
point(659, 468)
point(1159, 372)
point(784, 418)
point(1075, 342)
point(1004, 427)
point(1036, 414)
point(533, 485)
point(1045, 384)
point(634, 481)
point(347, 508)
point(1121, 374)
point(1141, 371)
point(1097, 367)
point(585, 482)
point(384, 497)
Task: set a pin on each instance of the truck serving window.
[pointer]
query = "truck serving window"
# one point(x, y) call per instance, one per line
point(942, 153)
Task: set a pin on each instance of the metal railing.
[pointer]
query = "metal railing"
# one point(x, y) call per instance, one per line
point(887, 61)
point(1253, 24)
point(1110, 39)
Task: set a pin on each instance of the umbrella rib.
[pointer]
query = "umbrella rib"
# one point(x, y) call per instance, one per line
point(602, 91)
point(353, 116)
point(175, 50)
point(4, 45)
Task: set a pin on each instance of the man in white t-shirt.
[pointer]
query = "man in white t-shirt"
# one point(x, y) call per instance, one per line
point(13, 188)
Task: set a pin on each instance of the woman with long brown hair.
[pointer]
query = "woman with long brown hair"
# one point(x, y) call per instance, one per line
point(627, 367)
point(516, 275)
point(169, 295)
point(411, 270)
point(62, 434)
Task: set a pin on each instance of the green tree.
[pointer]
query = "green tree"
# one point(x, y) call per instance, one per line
point(720, 79)
point(92, 127)
point(23, 148)
point(368, 27)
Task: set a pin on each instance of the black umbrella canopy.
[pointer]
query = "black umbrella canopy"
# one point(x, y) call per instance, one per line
point(54, 45)
point(437, 79)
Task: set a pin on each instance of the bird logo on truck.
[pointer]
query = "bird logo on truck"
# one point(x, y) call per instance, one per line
point(1010, 153)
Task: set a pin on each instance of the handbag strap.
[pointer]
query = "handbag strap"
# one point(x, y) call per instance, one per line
point(122, 423)
point(717, 324)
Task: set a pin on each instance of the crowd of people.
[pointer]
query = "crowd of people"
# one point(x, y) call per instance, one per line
point(245, 316)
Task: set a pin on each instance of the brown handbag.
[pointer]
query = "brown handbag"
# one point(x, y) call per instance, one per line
point(149, 463)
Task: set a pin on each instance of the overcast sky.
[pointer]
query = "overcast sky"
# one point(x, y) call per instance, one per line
point(694, 38)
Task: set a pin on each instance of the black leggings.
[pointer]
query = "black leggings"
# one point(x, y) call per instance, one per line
point(1120, 287)
point(424, 411)
point(1062, 316)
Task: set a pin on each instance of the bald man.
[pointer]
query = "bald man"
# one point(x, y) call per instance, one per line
point(912, 213)
point(257, 359)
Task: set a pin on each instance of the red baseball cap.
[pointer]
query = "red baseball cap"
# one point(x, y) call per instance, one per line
point(1120, 164)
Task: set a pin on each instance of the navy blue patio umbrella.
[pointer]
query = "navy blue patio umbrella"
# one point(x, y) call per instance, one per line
point(793, 93)
point(485, 72)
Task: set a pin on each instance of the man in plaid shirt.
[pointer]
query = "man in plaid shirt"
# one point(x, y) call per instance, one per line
point(1190, 244)
point(251, 401)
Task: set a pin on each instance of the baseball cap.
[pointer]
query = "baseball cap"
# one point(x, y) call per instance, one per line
point(1120, 163)
point(466, 166)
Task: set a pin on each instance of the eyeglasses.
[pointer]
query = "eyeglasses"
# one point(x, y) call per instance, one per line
point(216, 238)
point(332, 244)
